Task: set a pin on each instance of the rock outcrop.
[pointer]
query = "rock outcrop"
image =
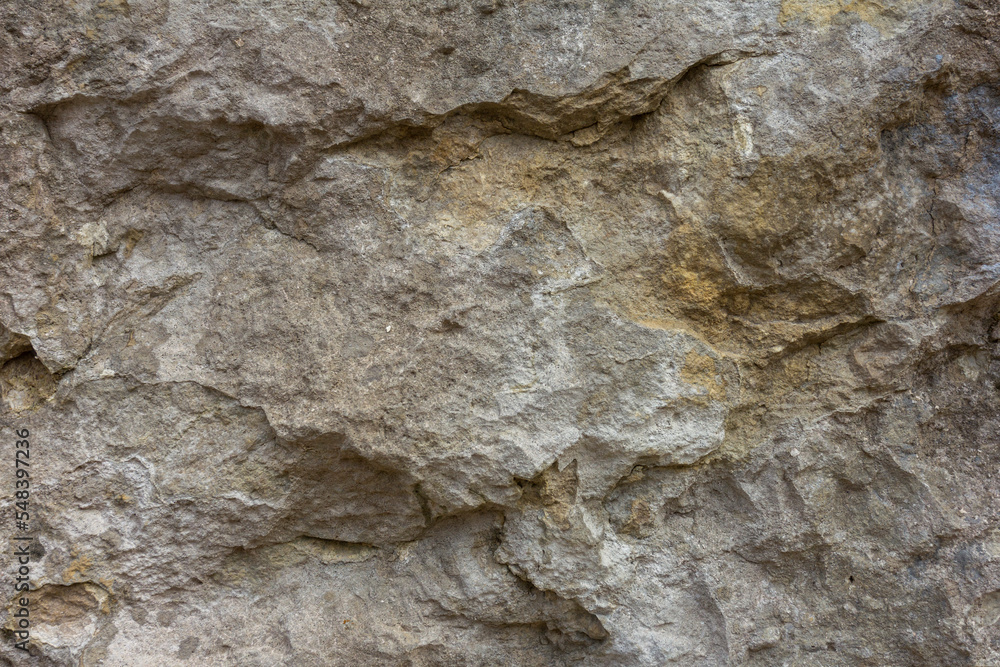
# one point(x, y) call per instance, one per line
point(503, 332)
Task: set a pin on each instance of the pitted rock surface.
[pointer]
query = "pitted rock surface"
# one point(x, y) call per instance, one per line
point(504, 332)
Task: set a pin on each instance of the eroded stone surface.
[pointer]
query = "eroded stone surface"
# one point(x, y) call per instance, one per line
point(481, 332)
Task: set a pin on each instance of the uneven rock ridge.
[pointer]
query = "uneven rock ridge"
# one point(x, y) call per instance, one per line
point(503, 332)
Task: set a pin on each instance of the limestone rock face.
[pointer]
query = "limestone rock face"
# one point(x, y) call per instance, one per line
point(503, 332)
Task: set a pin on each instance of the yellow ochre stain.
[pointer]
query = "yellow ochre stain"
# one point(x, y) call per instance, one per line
point(699, 370)
point(883, 16)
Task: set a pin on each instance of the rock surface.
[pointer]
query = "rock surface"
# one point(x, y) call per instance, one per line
point(504, 332)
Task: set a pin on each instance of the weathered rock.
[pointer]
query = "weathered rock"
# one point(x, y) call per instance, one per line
point(477, 332)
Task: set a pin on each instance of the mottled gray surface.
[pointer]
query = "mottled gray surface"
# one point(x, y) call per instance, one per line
point(504, 332)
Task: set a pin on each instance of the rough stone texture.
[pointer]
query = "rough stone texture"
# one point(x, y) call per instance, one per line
point(504, 332)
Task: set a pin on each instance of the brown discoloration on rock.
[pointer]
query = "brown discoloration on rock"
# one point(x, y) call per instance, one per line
point(25, 383)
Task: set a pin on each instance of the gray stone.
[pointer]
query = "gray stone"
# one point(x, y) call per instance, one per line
point(504, 332)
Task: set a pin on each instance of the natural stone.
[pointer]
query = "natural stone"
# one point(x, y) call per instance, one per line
point(502, 331)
